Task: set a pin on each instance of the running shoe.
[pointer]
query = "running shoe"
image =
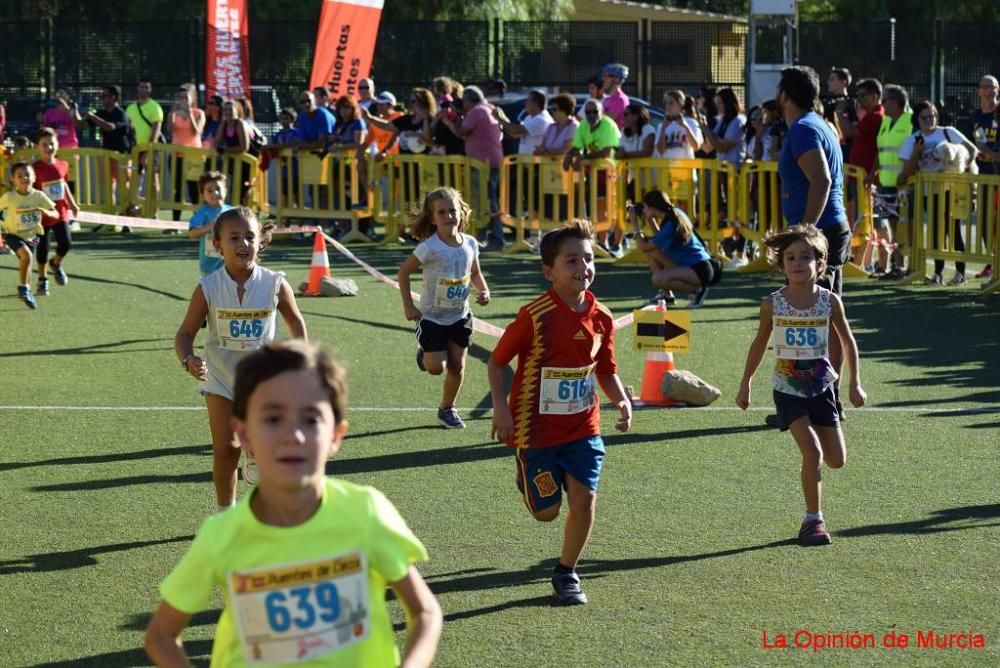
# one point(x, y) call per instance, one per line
point(449, 418)
point(771, 420)
point(737, 262)
point(61, 277)
point(935, 280)
point(667, 297)
point(567, 588)
point(24, 292)
point(250, 474)
point(813, 533)
point(43, 286)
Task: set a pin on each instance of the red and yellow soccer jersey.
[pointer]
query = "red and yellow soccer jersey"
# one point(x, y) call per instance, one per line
point(559, 354)
point(51, 180)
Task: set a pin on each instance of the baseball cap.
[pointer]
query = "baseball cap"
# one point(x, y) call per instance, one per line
point(385, 97)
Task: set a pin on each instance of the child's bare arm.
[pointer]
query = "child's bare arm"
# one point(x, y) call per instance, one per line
point(478, 280)
point(186, 333)
point(289, 310)
point(163, 637)
point(842, 329)
point(502, 428)
point(756, 353)
point(423, 619)
point(410, 265)
point(615, 391)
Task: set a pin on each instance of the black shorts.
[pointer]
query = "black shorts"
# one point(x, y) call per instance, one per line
point(434, 338)
point(838, 240)
point(705, 272)
point(821, 409)
point(15, 242)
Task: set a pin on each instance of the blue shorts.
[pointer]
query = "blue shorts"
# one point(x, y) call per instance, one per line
point(545, 470)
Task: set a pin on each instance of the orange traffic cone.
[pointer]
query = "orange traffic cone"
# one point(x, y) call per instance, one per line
point(657, 364)
point(320, 267)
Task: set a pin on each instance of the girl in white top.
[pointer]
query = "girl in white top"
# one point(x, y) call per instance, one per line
point(679, 135)
point(240, 302)
point(803, 316)
point(450, 263)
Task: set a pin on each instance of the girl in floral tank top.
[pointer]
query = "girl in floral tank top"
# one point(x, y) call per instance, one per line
point(800, 318)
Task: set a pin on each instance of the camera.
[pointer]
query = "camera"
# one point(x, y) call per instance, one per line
point(639, 208)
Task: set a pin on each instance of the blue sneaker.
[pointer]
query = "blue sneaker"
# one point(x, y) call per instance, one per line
point(61, 277)
point(43, 286)
point(567, 588)
point(449, 418)
point(24, 292)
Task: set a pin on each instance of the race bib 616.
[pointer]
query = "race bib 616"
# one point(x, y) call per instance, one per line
point(54, 189)
point(566, 391)
point(298, 612)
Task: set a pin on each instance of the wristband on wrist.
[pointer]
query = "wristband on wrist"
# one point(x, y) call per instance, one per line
point(184, 362)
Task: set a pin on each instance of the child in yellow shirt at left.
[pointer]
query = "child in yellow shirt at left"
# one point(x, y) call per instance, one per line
point(23, 208)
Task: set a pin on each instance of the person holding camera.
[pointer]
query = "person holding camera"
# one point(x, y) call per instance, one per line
point(677, 258)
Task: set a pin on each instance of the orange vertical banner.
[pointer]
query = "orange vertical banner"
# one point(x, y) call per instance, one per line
point(227, 49)
point(345, 43)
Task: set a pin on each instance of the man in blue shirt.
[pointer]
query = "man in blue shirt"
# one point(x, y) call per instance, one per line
point(314, 124)
point(811, 167)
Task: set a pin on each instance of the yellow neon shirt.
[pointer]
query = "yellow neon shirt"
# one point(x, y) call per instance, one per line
point(19, 212)
point(350, 519)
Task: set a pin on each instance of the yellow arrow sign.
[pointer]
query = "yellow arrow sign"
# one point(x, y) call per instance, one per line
point(662, 331)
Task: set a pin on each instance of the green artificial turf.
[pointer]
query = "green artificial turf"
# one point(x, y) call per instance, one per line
point(691, 559)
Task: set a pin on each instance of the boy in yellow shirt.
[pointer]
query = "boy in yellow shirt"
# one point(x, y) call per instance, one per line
point(23, 208)
point(303, 560)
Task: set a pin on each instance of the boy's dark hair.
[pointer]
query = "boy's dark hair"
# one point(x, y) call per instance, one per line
point(44, 132)
point(801, 85)
point(810, 234)
point(294, 355)
point(114, 90)
point(578, 228)
point(291, 113)
point(212, 176)
point(20, 164)
point(21, 141)
point(247, 214)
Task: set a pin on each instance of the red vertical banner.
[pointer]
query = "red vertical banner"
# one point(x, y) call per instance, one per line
point(227, 49)
point(345, 43)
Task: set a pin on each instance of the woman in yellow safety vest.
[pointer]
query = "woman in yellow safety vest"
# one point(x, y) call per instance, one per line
point(897, 125)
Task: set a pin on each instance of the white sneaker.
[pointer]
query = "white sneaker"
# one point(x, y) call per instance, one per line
point(737, 262)
point(250, 475)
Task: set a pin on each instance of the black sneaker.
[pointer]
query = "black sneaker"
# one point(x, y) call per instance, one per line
point(61, 277)
point(667, 297)
point(698, 298)
point(771, 421)
point(567, 588)
point(420, 359)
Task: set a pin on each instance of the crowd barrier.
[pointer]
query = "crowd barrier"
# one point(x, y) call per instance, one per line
point(536, 195)
point(954, 218)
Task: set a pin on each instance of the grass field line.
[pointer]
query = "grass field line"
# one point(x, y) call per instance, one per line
point(968, 410)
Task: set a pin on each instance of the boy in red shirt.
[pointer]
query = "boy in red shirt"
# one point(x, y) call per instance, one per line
point(50, 178)
point(564, 342)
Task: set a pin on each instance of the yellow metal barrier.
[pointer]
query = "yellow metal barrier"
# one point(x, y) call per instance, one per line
point(944, 208)
point(864, 232)
point(99, 177)
point(535, 194)
point(411, 177)
point(692, 185)
point(593, 194)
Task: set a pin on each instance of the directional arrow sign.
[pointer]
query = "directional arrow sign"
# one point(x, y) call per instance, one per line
point(662, 331)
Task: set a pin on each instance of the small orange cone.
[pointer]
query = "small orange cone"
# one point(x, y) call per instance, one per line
point(657, 364)
point(320, 267)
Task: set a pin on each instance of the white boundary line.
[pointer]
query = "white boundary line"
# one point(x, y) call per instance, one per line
point(971, 410)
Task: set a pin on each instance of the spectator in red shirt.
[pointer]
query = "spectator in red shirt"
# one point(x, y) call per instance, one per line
point(864, 145)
